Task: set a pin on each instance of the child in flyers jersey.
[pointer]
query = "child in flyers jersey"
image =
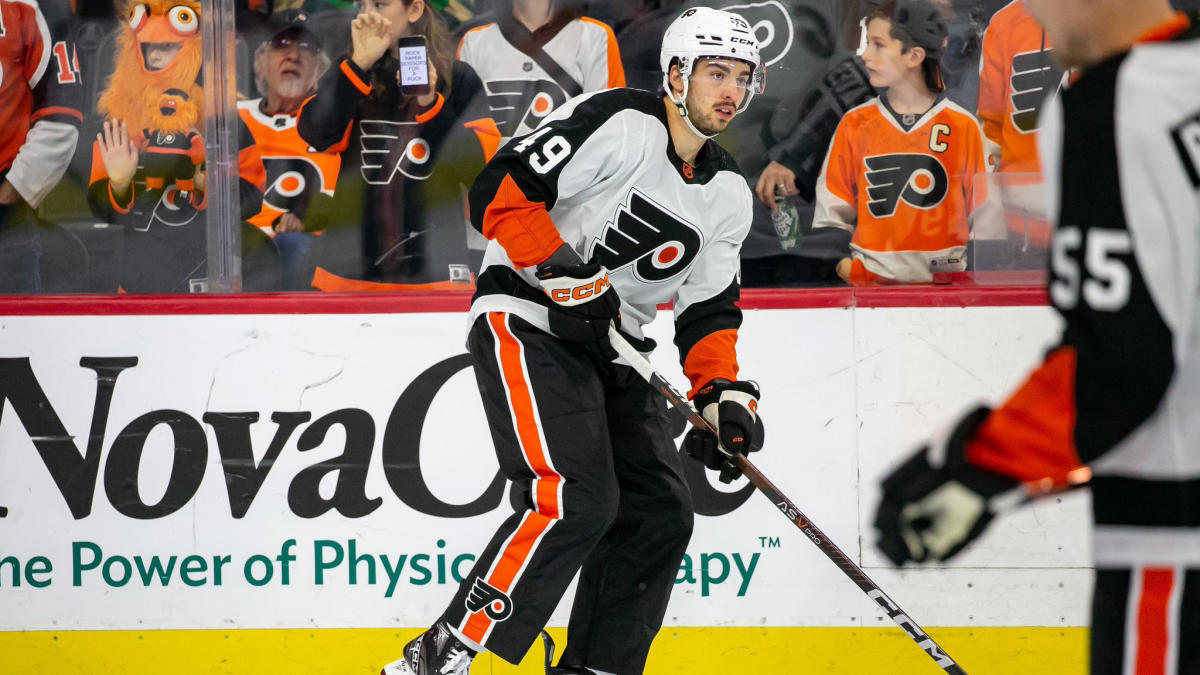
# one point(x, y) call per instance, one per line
point(901, 172)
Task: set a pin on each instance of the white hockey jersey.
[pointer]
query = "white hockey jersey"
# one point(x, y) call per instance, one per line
point(602, 176)
point(528, 75)
point(1121, 153)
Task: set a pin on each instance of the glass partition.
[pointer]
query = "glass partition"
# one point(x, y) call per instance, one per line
point(158, 149)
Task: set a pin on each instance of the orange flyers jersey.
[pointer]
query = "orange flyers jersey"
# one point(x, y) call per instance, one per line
point(909, 196)
point(295, 172)
point(1015, 75)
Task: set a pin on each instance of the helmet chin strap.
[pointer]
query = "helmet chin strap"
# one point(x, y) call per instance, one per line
point(681, 106)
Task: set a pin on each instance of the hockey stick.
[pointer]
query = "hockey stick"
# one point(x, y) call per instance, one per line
point(785, 505)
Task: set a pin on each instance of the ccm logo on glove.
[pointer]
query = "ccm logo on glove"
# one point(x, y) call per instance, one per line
point(569, 292)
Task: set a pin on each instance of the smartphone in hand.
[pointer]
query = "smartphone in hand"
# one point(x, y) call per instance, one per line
point(414, 66)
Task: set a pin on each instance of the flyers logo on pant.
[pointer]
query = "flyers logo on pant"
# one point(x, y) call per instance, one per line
point(489, 599)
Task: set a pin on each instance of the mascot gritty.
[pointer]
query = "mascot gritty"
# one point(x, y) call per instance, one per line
point(148, 159)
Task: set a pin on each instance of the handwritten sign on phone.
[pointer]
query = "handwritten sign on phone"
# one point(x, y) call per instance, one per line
point(413, 69)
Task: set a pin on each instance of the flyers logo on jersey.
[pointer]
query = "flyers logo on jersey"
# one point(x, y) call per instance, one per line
point(522, 102)
point(917, 180)
point(491, 600)
point(1187, 144)
point(655, 241)
point(291, 183)
point(1033, 74)
point(380, 139)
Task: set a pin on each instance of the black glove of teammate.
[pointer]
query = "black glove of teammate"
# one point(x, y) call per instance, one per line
point(936, 503)
point(583, 304)
point(732, 409)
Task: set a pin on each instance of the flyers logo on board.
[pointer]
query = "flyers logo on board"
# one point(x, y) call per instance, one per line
point(1033, 74)
point(657, 243)
point(488, 599)
point(916, 179)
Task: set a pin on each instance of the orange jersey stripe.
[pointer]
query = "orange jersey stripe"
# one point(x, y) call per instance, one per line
point(616, 71)
point(715, 355)
point(424, 117)
point(522, 227)
point(488, 134)
point(1153, 632)
point(354, 79)
point(1032, 436)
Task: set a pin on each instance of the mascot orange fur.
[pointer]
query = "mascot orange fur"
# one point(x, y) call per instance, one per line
point(157, 50)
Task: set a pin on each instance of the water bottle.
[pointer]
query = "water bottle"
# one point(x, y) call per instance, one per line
point(786, 221)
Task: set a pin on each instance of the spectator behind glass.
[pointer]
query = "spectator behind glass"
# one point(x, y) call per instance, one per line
point(147, 161)
point(40, 88)
point(1016, 76)
point(900, 173)
point(535, 56)
point(407, 159)
point(300, 180)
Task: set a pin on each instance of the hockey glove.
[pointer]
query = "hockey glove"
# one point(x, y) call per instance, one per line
point(936, 503)
point(732, 409)
point(583, 304)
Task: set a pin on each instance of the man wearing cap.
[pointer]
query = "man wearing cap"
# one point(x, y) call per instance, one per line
point(300, 180)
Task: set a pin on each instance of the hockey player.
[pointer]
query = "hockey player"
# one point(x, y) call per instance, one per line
point(901, 170)
point(631, 183)
point(535, 56)
point(1121, 152)
point(40, 88)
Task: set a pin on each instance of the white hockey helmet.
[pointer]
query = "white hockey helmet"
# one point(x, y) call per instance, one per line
point(704, 32)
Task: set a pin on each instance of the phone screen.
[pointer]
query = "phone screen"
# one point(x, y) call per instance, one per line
point(414, 66)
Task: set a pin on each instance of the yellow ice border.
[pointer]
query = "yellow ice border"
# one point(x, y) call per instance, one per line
point(695, 651)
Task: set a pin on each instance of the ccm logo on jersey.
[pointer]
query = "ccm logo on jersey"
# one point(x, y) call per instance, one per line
point(491, 600)
point(655, 241)
point(1032, 74)
point(1187, 142)
point(918, 180)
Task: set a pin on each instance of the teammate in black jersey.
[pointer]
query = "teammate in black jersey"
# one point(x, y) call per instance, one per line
point(631, 183)
point(1117, 396)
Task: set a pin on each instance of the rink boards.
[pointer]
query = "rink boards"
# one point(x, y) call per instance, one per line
point(281, 492)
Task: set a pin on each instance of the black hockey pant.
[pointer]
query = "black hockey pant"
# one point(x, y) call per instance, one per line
point(601, 492)
point(1146, 621)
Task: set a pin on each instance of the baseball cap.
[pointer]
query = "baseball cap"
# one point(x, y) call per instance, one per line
point(293, 19)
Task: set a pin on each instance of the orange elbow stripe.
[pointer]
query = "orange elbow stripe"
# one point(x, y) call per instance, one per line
point(522, 227)
point(715, 355)
point(1032, 436)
